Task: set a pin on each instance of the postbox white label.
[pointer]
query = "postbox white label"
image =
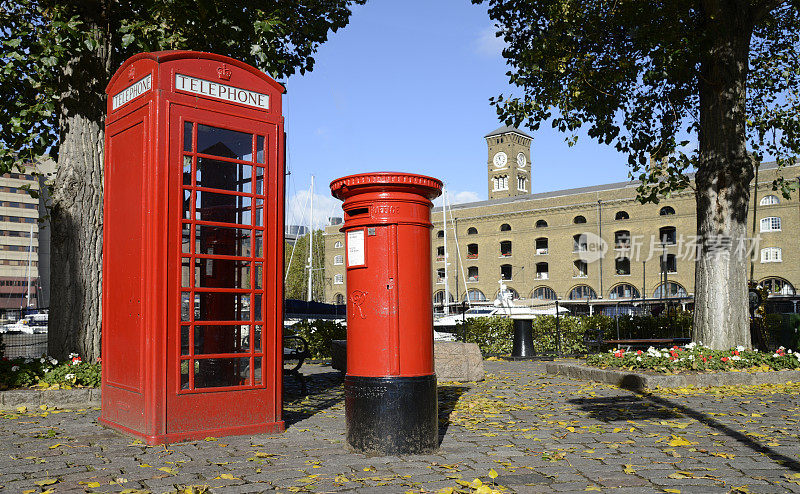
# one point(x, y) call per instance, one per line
point(221, 91)
point(355, 248)
point(132, 92)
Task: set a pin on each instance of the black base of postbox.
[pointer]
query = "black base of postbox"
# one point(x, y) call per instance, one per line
point(392, 415)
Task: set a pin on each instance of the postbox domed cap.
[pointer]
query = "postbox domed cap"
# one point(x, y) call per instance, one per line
point(429, 187)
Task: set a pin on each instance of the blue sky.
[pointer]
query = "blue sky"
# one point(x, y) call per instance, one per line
point(405, 87)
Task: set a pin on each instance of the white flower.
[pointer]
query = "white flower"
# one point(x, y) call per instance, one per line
point(691, 345)
point(53, 361)
point(736, 357)
point(42, 360)
point(740, 348)
point(72, 355)
point(691, 357)
point(15, 368)
point(638, 359)
point(775, 355)
point(69, 377)
point(789, 351)
point(28, 360)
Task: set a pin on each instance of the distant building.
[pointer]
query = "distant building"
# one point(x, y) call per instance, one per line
point(591, 245)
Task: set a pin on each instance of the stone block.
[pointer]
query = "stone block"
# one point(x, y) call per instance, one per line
point(19, 397)
point(339, 355)
point(66, 398)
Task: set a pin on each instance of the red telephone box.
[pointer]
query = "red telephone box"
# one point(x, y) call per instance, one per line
point(390, 386)
point(192, 248)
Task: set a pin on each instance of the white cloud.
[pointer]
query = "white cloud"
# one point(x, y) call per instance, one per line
point(298, 208)
point(458, 197)
point(489, 45)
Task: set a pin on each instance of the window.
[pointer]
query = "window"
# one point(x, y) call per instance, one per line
point(500, 183)
point(505, 227)
point(771, 254)
point(337, 260)
point(769, 200)
point(579, 220)
point(440, 275)
point(438, 297)
point(666, 211)
point(475, 295)
point(541, 224)
point(673, 290)
point(542, 271)
point(622, 266)
point(440, 234)
point(472, 273)
point(338, 279)
point(505, 272)
point(667, 235)
point(544, 293)
point(771, 224)
point(472, 251)
point(521, 185)
point(514, 294)
point(621, 215)
point(541, 246)
point(339, 299)
point(505, 248)
point(582, 292)
point(777, 286)
point(622, 239)
point(440, 253)
point(579, 243)
point(581, 269)
point(337, 244)
point(472, 231)
point(624, 290)
point(670, 264)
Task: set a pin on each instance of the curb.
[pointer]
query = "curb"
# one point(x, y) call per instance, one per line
point(32, 398)
point(637, 381)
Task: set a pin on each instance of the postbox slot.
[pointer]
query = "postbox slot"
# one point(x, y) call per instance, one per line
point(357, 212)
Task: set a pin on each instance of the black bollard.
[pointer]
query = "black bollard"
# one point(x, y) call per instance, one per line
point(523, 338)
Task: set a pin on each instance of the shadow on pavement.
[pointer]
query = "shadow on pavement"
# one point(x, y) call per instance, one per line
point(448, 397)
point(323, 390)
point(647, 406)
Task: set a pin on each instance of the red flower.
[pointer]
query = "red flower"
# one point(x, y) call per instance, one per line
point(724, 359)
point(736, 352)
point(638, 352)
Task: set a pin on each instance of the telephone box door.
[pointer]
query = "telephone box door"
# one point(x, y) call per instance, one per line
point(219, 167)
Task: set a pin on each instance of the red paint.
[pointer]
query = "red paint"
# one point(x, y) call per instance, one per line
point(193, 250)
point(389, 306)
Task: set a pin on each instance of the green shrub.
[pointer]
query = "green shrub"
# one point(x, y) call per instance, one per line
point(319, 334)
point(45, 371)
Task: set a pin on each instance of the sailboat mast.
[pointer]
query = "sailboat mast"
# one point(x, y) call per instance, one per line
point(446, 278)
point(28, 286)
point(311, 241)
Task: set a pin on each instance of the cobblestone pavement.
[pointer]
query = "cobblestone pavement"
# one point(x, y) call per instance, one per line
point(537, 432)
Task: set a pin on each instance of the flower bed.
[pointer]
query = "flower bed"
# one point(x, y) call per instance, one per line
point(48, 373)
point(695, 357)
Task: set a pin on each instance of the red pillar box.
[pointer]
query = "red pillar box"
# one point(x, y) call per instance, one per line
point(193, 248)
point(390, 386)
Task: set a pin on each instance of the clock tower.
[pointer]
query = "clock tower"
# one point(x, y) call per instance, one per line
point(509, 165)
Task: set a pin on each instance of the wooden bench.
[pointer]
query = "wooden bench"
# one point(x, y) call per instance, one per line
point(593, 338)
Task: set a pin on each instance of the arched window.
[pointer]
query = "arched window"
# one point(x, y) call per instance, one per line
point(771, 254)
point(505, 227)
point(581, 269)
point(624, 290)
point(579, 243)
point(579, 219)
point(337, 244)
point(338, 279)
point(500, 183)
point(440, 275)
point(472, 251)
point(582, 292)
point(621, 215)
point(622, 239)
point(771, 224)
point(514, 294)
point(440, 234)
point(542, 271)
point(622, 266)
point(339, 299)
point(673, 290)
point(777, 286)
point(475, 295)
point(522, 183)
point(472, 231)
point(438, 297)
point(440, 253)
point(666, 211)
point(544, 293)
point(769, 200)
point(505, 272)
point(472, 273)
point(541, 246)
point(670, 264)
point(541, 224)
point(505, 248)
point(337, 260)
point(667, 235)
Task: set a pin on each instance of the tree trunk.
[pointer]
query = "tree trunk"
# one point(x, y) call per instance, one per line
point(725, 170)
point(77, 209)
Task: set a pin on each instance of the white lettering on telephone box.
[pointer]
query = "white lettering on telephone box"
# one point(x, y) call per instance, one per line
point(221, 91)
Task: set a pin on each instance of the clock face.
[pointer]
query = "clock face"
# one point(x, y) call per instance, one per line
point(500, 159)
point(521, 161)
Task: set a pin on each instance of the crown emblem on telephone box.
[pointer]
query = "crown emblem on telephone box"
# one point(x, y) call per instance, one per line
point(224, 73)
